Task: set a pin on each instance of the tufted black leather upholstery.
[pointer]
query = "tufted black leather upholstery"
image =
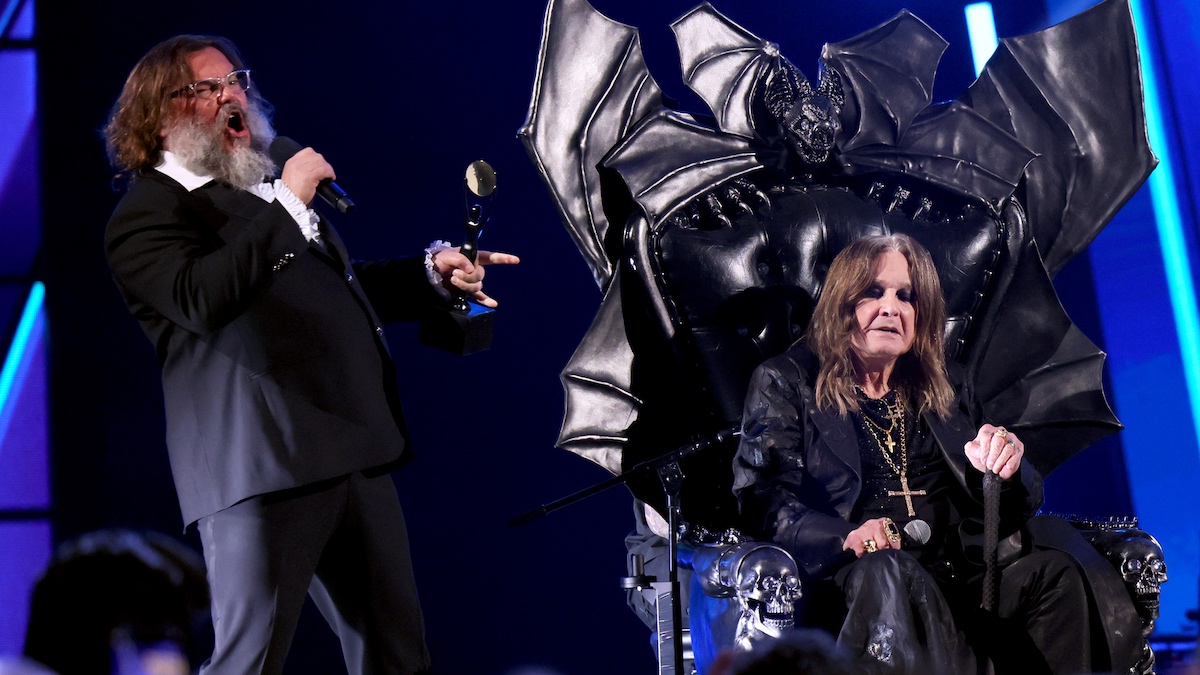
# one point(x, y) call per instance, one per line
point(762, 275)
point(725, 295)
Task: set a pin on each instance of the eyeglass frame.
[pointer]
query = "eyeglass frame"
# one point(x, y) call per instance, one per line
point(220, 83)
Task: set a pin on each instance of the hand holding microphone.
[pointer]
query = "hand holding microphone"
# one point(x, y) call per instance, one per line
point(915, 533)
point(306, 173)
point(881, 533)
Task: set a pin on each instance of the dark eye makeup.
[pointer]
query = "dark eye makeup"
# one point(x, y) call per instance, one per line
point(875, 291)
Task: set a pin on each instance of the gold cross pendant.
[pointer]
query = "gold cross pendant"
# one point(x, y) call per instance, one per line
point(907, 494)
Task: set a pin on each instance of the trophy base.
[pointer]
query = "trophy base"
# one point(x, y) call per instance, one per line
point(459, 332)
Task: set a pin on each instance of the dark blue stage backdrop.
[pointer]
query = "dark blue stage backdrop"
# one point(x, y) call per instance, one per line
point(400, 97)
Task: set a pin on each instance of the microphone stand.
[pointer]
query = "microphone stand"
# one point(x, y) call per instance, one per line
point(672, 480)
point(669, 473)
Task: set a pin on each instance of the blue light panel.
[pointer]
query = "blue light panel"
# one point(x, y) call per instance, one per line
point(26, 548)
point(8, 13)
point(25, 482)
point(22, 28)
point(981, 27)
point(1170, 230)
point(28, 327)
point(25, 534)
point(19, 228)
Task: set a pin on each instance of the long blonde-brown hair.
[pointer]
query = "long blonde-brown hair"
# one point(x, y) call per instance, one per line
point(920, 374)
point(132, 136)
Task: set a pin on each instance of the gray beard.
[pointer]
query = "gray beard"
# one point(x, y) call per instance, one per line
point(200, 147)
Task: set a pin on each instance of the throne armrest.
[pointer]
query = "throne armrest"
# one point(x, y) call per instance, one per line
point(1138, 559)
point(740, 594)
point(1135, 554)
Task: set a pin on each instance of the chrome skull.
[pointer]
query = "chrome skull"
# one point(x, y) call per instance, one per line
point(767, 589)
point(1139, 558)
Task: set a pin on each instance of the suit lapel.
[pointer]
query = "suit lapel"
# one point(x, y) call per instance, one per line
point(243, 205)
point(334, 248)
point(837, 433)
point(233, 201)
point(334, 251)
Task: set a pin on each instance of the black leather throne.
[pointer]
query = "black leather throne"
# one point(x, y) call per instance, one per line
point(738, 290)
point(711, 237)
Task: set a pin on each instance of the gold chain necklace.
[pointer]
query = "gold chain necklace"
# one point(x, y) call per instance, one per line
point(895, 413)
point(888, 449)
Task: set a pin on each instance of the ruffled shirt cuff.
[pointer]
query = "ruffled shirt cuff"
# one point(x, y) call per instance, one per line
point(306, 218)
point(430, 271)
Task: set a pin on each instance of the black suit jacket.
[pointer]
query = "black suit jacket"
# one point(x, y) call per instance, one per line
point(275, 371)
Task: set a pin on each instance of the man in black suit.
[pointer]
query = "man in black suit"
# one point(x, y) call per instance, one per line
point(283, 416)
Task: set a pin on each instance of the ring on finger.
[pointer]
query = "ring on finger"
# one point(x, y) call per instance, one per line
point(1010, 442)
point(869, 546)
point(893, 532)
point(1001, 432)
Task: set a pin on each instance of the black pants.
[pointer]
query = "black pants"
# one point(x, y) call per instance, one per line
point(898, 620)
point(1041, 623)
point(342, 541)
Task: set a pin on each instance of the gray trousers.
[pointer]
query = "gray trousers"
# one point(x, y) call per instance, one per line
point(344, 542)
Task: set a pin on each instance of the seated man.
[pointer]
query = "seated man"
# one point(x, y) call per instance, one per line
point(862, 428)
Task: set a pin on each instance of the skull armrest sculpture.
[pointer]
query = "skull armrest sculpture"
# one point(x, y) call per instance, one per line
point(1142, 567)
point(1138, 557)
point(740, 595)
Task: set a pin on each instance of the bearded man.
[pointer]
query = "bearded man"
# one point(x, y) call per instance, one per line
point(283, 415)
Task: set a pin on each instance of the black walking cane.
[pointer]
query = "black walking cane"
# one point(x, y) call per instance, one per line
point(991, 536)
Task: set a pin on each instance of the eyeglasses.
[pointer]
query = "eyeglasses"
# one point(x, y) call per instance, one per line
point(235, 82)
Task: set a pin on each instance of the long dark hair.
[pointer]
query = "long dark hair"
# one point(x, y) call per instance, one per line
point(920, 374)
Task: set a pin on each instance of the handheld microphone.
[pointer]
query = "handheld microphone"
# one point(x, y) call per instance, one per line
point(915, 533)
point(283, 148)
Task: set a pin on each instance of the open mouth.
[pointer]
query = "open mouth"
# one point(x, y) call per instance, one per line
point(236, 124)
